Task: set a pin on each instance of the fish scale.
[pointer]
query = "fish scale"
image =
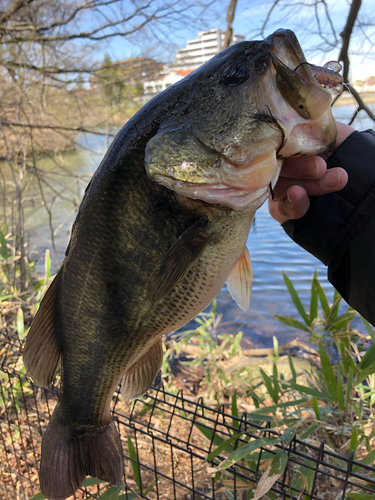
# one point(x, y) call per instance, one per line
point(204, 280)
point(209, 274)
point(162, 225)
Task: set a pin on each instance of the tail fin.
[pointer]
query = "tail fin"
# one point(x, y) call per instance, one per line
point(69, 456)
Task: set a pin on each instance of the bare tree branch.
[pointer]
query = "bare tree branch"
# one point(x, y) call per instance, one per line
point(328, 16)
point(268, 16)
point(13, 8)
point(321, 30)
point(46, 70)
point(346, 35)
point(53, 89)
point(99, 33)
point(231, 10)
point(361, 104)
point(8, 123)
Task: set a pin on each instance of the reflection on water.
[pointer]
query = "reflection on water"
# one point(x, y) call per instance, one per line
point(272, 252)
point(69, 179)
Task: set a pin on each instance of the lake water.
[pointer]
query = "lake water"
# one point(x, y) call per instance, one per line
point(272, 252)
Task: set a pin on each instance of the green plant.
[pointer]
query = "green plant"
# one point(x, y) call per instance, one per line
point(333, 402)
point(241, 448)
point(213, 350)
point(342, 392)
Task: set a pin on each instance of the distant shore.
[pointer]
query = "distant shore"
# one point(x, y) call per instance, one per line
point(346, 98)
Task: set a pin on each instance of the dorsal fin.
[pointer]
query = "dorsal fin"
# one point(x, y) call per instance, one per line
point(240, 280)
point(42, 354)
point(140, 376)
point(184, 252)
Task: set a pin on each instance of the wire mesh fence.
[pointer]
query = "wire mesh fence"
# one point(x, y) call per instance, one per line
point(166, 440)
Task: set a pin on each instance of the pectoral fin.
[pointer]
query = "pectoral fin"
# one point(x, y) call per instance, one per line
point(240, 280)
point(42, 354)
point(182, 255)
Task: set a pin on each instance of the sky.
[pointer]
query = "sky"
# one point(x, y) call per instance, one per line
point(249, 19)
point(303, 21)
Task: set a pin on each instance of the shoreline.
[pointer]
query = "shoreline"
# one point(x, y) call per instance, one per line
point(347, 99)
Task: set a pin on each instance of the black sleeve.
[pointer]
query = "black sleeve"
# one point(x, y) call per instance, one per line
point(339, 228)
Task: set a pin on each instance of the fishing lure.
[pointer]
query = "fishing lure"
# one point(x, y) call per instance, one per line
point(328, 76)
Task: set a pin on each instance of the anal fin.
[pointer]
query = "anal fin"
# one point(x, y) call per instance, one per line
point(240, 280)
point(42, 354)
point(140, 376)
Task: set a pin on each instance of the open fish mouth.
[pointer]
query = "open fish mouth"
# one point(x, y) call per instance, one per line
point(231, 155)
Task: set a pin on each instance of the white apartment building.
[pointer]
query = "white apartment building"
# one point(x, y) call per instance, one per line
point(203, 48)
point(153, 87)
point(196, 53)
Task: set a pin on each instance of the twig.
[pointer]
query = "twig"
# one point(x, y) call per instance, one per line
point(195, 350)
point(361, 104)
point(268, 17)
point(346, 35)
point(282, 348)
point(57, 127)
point(231, 9)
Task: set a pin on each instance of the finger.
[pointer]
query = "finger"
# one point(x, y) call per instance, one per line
point(294, 206)
point(333, 180)
point(312, 167)
point(343, 131)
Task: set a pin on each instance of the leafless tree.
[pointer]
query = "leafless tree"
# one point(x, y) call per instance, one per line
point(231, 10)
point(50, 94)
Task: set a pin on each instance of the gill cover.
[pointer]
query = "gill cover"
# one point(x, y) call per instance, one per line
point(179, 155)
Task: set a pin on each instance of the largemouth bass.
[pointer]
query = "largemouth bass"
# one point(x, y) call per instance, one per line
point(162, 226)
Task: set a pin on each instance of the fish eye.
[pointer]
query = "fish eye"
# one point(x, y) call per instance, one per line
point(235, 74)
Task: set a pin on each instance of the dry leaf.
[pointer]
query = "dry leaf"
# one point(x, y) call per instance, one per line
point(271, 475)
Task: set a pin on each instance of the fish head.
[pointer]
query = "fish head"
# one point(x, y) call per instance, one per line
point(240, 115)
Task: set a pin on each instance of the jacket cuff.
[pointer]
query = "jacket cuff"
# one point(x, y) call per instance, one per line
point(333, 219)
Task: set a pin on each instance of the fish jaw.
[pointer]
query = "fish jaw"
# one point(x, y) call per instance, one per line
point(229, 151)
point(302, 136)
point(227, 195)
point(306, 111)
point(295, 79)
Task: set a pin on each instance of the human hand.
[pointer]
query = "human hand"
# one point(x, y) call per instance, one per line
point(304, 177)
